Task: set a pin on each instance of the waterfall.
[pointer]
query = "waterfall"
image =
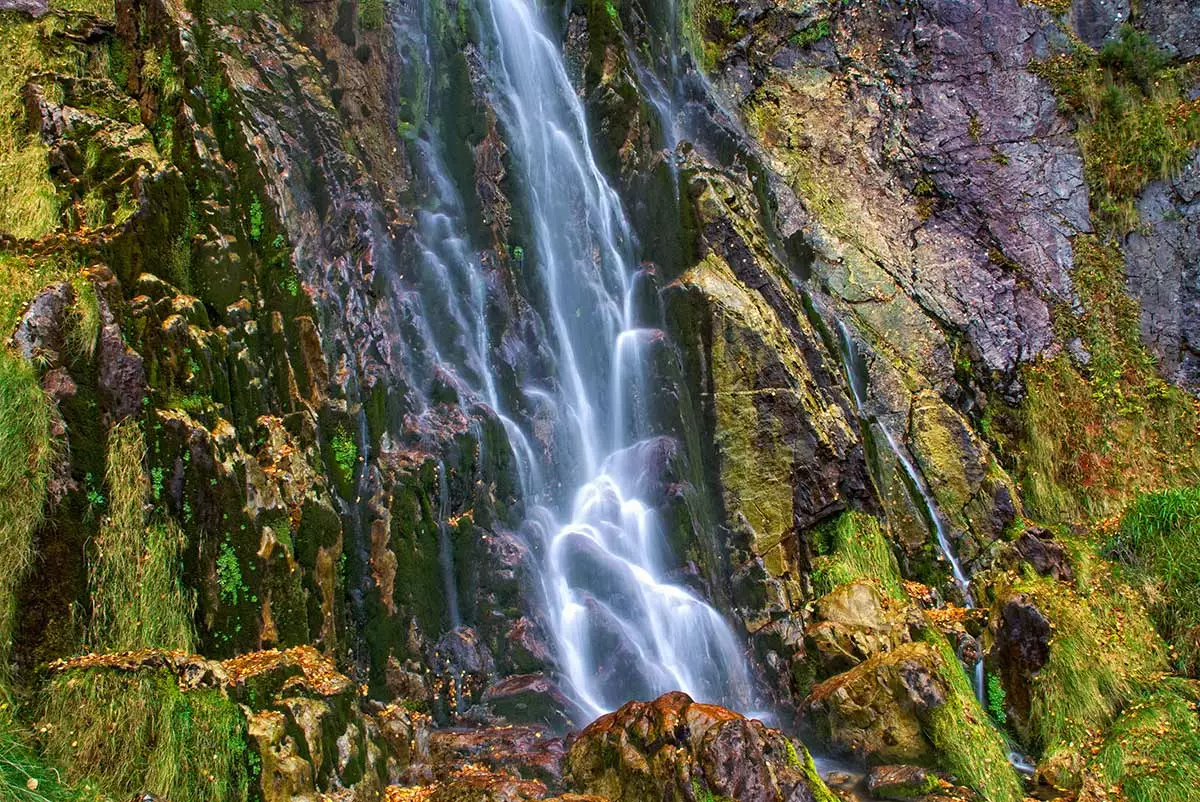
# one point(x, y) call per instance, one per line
point(621, 628)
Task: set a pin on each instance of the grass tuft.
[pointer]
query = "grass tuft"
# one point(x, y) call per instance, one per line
point(26, 452)
point(138, 600)
point(1158, 538)
point(1103, 651)
point(138, 732)
point(1152, 752)
point(1136, 124)
point(853, 546)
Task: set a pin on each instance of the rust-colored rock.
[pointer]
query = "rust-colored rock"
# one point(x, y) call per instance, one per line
point(669, 748)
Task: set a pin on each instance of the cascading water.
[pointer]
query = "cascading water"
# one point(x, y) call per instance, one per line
point(622, 630)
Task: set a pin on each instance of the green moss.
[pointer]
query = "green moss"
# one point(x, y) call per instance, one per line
point(1159, 540)
point(968, 746)
point(1152, 752)
point(811, 35)
point(820, 791)
point(853, 546)
point(137, 732)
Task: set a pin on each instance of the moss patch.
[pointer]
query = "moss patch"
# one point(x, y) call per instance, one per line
point(853, 546)
point(968, 746)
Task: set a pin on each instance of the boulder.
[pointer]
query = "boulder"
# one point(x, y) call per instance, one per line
point(853, 623)
point(1020, 647)
point(674, 749)
point(874, 711)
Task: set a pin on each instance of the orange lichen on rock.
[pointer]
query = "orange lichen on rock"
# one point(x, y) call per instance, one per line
point(320, 674)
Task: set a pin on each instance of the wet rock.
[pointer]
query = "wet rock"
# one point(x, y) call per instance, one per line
point(1095, 20)
point(529, 752)
point(663, 750)
point(463, 668)
point(853, 623)
point(900, 782)
point(34, 8)
point(527, 699)
point(1175, 26)
point(1021, 646)
point(874, 710)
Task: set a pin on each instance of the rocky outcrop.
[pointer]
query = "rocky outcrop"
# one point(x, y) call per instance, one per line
point(1162, 273)
point(674, 749)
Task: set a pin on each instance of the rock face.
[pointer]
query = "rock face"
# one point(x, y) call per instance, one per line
point(673, 749)
point(1163, 273)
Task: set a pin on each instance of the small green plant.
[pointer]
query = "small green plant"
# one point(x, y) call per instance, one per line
point(256, 220)
point(996, 699)
point(291, 285)
point(345, 452)
point(811, 35)
point(229, 574)
point(371, 14)
point(279, 242)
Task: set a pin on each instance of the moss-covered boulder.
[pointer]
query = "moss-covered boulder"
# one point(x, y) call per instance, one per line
point(674, 749)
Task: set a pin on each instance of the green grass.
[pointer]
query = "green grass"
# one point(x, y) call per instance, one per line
point(28, 199)
point(26, 452)
point(967, 744)
point(1158, 538)
point(24, 775)
point(1135, 122)
point(138, 600)
point(853, 546)
point(137, 731)
point(1152, 751)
